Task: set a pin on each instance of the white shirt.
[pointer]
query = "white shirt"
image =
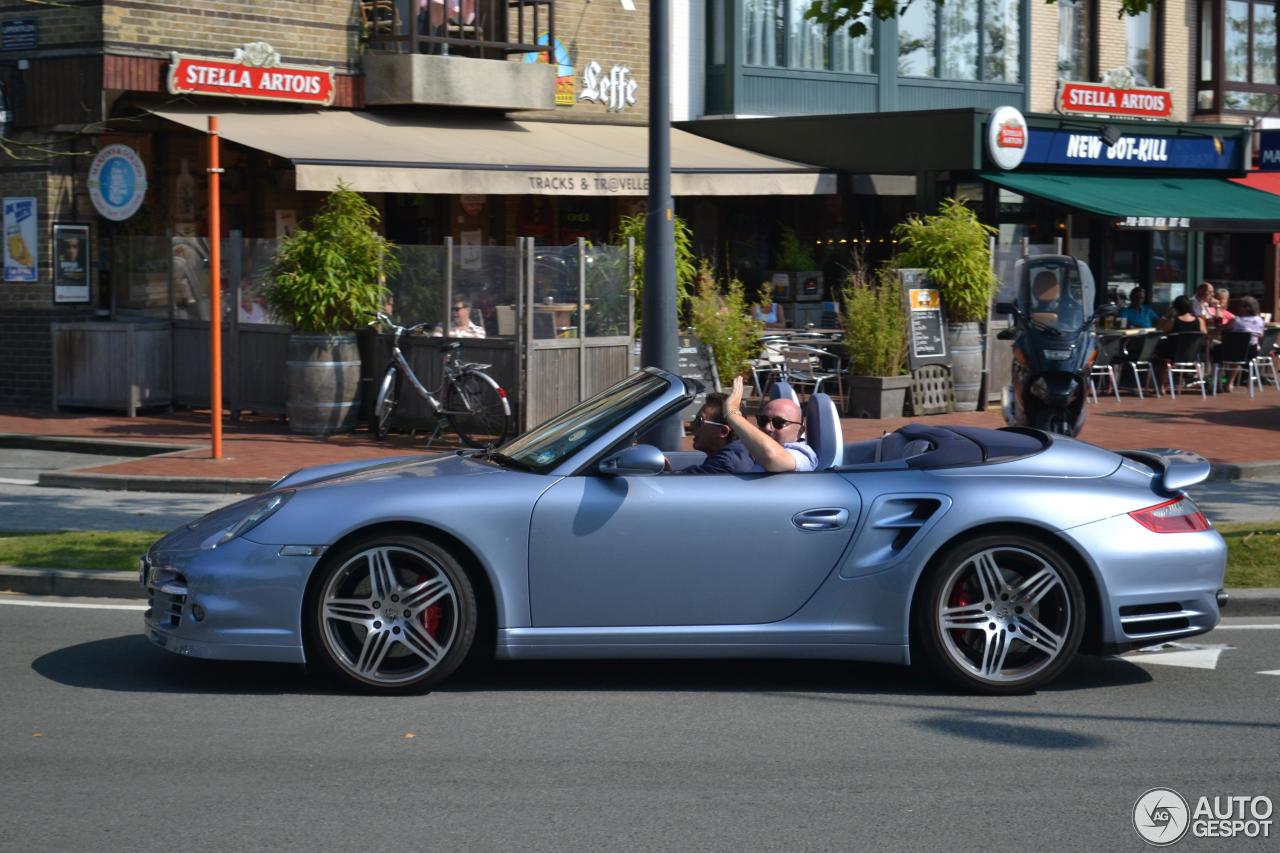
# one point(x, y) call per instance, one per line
point(806, 459)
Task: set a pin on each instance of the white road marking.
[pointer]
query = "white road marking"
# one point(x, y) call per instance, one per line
point(1269, 672)
point(73, 605)
point(1191, 655)
point(11, 481)
point(1247, 628)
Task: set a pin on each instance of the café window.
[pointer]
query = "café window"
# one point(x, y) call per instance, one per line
point(1237, 62)
point(776, 34)
point(962, 40)
point(1075, 37)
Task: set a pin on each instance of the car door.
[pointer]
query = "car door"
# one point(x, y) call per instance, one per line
point(712, 549)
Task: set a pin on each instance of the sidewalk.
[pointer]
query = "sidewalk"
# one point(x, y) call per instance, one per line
point(1239, 435)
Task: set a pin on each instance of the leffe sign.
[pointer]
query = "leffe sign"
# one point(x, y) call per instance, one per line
point(254, 71)
point(615, 89)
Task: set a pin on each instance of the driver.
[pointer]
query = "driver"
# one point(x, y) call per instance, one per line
point(714, 437)
point(774, 439)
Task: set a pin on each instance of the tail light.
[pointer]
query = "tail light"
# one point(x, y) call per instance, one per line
point(1180, 515)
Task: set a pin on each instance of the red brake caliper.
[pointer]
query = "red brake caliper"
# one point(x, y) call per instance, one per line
point(431, 620)
point(959, 598)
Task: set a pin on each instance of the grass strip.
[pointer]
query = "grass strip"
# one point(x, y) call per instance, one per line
point(106, 550)
point(1253, 551)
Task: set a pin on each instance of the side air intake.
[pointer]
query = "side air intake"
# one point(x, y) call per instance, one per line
point(894, 524)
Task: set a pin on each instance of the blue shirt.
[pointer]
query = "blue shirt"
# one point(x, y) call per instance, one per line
point(1142, 317)
point(733, 458)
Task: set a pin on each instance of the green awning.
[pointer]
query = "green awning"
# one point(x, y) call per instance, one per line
point(1152, 201)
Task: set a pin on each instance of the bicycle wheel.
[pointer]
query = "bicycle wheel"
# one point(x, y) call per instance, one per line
point(478, 409)
point(385, 405)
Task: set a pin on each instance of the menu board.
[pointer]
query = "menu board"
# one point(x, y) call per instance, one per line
point(926, 322)
point(694, 360)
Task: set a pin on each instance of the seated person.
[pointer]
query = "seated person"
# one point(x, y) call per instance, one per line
point(1137, 314)
point(461, 326)
point(714, 437)
point(771, 315)
point(774, 440)
point(1248, 320)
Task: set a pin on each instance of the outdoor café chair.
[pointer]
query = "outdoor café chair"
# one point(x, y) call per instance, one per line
point(1139, 351)
point(803, 367)
point(1236, 352)
point(1265, 362)
point(1110, 348)
point(1188, 359)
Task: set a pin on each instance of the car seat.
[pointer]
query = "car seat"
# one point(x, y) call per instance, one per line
point(784, 391)
point(822, 431)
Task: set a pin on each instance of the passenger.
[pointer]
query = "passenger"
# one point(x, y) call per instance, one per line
point(774, 439)
point(725, 453)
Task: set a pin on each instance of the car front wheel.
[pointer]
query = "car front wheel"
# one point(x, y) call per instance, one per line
point(1000, 614)
point(390, 614)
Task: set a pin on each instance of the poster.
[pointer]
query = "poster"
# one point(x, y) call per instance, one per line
point(71, 264)
point(286, 223)
point(21, 261)
point(470, 258)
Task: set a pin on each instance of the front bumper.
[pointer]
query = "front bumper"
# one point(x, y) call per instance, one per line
point(1154, 586)
point(240, 601)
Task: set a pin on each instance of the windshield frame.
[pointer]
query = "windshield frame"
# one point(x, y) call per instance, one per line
point(1079, 289)
point(605, 418)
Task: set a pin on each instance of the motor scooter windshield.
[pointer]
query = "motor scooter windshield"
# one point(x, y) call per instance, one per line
point(1056, 292)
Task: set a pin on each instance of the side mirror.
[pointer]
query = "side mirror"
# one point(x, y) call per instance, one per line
point(1006, 334)
point(1006, 308)
point(640, 460)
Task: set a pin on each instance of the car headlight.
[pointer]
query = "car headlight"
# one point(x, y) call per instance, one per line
point(221, 527)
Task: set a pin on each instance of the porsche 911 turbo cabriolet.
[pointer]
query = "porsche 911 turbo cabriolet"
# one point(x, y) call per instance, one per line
point(994, 556)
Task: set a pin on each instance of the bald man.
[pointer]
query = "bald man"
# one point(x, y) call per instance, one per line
point(774, 439)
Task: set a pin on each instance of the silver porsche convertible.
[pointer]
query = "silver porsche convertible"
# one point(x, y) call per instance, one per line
point(993, 556)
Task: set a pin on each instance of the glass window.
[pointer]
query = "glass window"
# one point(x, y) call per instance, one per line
point(1074, 27)
point(1002, 41)
point(808, 40)
point(917, 41)
point(853, 54)
point(1235, 41)
point(1139, 47)
point(763, 32)
point(1206, 40)
point(1264, 43)
point(959, 39)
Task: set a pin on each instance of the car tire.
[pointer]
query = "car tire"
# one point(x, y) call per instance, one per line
point(389, 613)
point(999, 614)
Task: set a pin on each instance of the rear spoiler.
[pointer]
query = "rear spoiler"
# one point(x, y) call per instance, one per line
point(1175, 469)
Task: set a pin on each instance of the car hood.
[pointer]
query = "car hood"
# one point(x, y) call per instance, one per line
point(433, 465)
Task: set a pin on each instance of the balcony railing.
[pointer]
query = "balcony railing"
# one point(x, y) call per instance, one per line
point(483, 29)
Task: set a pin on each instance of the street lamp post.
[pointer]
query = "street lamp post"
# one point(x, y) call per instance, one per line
point(658, 335)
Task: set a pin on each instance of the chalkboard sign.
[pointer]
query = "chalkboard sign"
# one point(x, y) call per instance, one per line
point(694, 360)
point(925, 320)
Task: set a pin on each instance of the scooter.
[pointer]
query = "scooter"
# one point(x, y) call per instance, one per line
point(1054, 344)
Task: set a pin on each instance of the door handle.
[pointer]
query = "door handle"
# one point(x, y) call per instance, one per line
point(829, 518)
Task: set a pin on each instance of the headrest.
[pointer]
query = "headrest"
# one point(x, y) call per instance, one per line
point(783, 391)
point(822, 430)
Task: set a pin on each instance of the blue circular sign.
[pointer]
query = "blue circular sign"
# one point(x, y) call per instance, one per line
point(117, 182)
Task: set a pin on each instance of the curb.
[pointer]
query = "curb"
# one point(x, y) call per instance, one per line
point(1220, 471)
point(99, 446)
point(152, 483)
point(102, 584)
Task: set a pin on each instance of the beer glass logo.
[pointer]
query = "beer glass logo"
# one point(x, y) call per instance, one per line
point(1161, 816)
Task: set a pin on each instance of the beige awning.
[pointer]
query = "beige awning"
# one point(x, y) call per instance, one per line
point(376, 152)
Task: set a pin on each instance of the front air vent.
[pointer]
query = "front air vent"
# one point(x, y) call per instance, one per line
point(167, 596)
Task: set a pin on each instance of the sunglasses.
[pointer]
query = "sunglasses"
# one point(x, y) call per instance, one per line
point(699, 420)
point(777, 420)
point(459, 307)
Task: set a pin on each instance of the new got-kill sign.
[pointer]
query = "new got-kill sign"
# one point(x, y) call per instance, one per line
point(203, 76)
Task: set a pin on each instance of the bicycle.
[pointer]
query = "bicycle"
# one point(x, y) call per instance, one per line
point(475, 405)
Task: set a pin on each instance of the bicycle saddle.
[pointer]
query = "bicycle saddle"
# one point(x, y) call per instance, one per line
point(454, 345)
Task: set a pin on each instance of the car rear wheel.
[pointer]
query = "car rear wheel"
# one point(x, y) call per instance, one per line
point(1000, 614)
point(390, 614)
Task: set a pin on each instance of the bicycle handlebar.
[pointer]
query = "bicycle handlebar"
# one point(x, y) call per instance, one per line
point(417, 327)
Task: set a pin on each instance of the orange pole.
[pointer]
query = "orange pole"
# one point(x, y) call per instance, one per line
point(215, 288)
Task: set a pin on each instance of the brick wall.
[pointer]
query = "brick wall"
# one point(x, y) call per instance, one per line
point(1043, 62)
point(1181, 36)
point(603, 32)
point(302, 31)
point(63, 25)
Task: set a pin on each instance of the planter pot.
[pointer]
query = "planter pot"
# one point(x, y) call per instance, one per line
point(324, 383)
point(964, 342)
point(877, 396)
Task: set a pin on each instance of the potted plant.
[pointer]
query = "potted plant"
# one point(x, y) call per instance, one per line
point(876, 343)
point(686, 267)
point(326, 281)
point(725, 323)
point(954, 248)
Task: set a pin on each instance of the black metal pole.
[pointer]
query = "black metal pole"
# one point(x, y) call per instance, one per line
point(658, 335)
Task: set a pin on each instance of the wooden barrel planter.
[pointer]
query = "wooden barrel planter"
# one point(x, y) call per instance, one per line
point(964, 340)
point(324, 383)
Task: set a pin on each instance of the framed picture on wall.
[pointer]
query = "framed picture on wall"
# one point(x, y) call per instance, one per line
point(70, 264)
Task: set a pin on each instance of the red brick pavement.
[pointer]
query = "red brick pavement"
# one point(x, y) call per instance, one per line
point(1231, 429)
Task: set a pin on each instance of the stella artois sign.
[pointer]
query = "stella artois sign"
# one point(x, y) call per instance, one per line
point(254, 71)
point(1007, 136)
point(1097, 99)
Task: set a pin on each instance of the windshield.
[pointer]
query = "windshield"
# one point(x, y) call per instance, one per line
point(547, 445)
point(1056, 291)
